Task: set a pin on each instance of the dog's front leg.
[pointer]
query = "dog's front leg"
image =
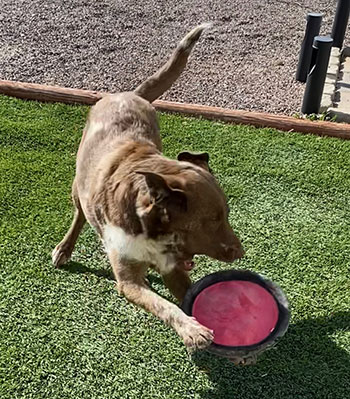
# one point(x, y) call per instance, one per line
point(130, 282)
point(178, 282)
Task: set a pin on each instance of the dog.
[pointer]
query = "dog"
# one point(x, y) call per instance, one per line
point(150, 211)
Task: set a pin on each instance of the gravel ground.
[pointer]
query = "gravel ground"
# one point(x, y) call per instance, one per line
point(246, 61)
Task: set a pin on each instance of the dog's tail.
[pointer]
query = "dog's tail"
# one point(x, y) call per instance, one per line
point(158, 83)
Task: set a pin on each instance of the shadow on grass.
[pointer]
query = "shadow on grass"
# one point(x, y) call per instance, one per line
point(79, 268)
point(305, 364)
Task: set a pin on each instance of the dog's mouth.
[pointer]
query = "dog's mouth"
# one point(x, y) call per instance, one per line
point(187, 263)
point(184, 259)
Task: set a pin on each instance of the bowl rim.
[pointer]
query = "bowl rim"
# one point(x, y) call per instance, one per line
point(243, 275)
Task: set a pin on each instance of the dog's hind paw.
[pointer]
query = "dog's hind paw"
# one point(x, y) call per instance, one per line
point(196, 336)
point(61, 255)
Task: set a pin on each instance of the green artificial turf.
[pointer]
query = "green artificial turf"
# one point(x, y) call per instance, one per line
point(68, 334)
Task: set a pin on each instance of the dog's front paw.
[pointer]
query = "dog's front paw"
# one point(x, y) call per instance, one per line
point(194, 335)
point(60, 255)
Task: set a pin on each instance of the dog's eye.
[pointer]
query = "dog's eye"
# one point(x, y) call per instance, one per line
point(215, 218)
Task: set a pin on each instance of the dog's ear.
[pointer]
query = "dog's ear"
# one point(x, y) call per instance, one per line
point(199, 159)
point(163, 195)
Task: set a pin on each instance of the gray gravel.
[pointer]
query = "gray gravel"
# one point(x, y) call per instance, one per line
point(247, 61)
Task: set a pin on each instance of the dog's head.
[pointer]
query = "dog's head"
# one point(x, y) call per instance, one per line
point(185, 200)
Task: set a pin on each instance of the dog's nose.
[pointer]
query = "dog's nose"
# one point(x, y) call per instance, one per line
point(233, 252)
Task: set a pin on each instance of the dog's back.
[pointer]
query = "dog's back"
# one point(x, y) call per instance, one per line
point(129, 115)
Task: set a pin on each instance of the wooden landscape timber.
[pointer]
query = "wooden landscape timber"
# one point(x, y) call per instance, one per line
point(31, 91)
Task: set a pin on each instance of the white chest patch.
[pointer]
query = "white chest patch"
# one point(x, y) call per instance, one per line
point(139, 248)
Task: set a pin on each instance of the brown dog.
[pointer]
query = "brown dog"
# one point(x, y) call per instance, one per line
point(150, 211)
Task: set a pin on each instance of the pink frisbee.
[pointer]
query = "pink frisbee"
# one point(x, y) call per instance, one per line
point(241, 313)
point(246, 311)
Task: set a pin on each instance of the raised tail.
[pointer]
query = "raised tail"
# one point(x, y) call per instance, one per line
point(158, 83)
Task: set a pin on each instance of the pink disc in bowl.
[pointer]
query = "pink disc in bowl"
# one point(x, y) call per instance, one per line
point(241, 313)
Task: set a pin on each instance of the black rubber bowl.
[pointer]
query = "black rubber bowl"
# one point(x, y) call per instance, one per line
point(243, 354)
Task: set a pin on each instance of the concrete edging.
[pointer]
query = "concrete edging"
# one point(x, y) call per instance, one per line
point(329, 88)
point(336, 92)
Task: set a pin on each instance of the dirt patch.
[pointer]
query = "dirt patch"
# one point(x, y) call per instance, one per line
point(246, 61)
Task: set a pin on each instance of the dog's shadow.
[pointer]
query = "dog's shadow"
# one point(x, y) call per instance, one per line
point(306, 363)
point(79, 268)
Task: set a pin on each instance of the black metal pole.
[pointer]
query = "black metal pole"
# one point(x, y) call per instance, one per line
point(321, 51)
point(340, 22)
point(312, 29)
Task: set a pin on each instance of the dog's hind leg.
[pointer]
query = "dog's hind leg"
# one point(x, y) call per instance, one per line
point(63, 251)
